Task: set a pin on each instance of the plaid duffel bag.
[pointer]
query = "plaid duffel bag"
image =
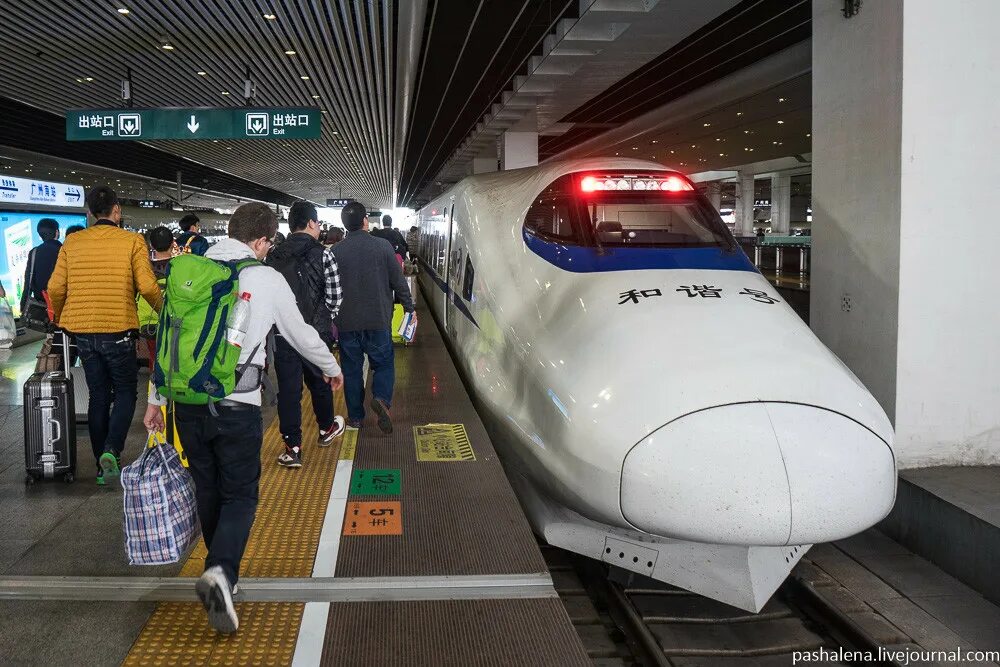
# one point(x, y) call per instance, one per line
point(161, 520)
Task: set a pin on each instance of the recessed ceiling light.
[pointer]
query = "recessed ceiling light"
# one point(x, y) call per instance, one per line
point(225, 92)
point(781, 99)
point(781, 122)
point(315, 97)
point(706, 125)
point(122, 10)
point(304, 77)
point(270, 17)
point(654, 141)
point(88, 78)
point(809, 134)
point(202, 73)
point(739, 113)
point(694, 146)
point(289, 52)
point(167, 47)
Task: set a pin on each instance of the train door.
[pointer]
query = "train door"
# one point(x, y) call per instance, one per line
point(448, 224)
point(455, 259)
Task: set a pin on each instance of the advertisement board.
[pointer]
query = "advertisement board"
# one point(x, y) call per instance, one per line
point(18, 236)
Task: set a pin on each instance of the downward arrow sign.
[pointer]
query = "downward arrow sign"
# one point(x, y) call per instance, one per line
point(129, 126)
point(193, 124)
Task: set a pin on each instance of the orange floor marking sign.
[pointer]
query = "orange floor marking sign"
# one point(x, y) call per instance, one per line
point(374, 518)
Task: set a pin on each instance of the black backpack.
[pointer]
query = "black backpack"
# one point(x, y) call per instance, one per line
point(301, 277)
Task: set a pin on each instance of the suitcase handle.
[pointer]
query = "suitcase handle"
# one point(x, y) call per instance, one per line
point(58, 430)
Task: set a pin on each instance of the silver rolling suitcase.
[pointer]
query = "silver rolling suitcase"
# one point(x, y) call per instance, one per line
point(50, 424)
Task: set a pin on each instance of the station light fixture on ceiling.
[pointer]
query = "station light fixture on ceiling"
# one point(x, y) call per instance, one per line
point(167, 47)
point(315, 97)
point(739, 113)
point(270, 17)
point(225, 92)
point(200, 73)
point(122, 11)
point(289, 52)
point(706, 125)
point(781, 122)
point(304, 77)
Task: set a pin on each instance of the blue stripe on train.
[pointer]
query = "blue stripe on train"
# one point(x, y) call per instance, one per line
point(448, 292)
point(582, 259)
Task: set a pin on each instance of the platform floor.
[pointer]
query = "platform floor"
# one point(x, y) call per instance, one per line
point(440, 568)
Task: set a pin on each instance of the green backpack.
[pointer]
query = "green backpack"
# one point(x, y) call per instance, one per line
point(149, 319)
point(195, 364)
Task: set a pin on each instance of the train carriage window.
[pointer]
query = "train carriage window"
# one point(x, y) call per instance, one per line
point(468, 279)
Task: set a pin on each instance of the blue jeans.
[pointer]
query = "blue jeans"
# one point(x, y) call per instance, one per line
point(354, 345)
point(223, 455)
point(110, 365)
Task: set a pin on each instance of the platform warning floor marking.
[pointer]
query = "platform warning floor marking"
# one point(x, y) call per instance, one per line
point(443, 442)
point(178, 633)
point(376, 482)
point(380, 517)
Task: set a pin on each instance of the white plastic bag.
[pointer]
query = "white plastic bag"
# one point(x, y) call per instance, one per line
point(8, 329)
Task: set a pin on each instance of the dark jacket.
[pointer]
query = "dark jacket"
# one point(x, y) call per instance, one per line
point(41, 263)
point(300, 260)
point(369, 276)
point(393, 236)
point(199, 244)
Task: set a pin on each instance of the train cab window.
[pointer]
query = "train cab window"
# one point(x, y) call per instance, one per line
point(551, 218)
point(650, 209)
point(468, 279)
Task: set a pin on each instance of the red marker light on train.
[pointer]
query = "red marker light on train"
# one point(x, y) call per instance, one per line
point(589, 184)
point(675, 184)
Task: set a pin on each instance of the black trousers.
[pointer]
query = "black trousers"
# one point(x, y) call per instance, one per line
point(223, 455)
point(291, 369)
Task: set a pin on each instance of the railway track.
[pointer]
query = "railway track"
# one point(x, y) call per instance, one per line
point(628, 620)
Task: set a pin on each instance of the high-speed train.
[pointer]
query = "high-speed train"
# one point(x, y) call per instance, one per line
point(654, 401)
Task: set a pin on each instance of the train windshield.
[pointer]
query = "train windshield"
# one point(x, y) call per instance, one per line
point(651, 209)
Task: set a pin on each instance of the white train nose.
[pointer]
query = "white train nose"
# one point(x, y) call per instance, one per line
point(761, 474)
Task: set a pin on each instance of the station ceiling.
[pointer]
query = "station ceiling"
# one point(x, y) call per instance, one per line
point(402, 84)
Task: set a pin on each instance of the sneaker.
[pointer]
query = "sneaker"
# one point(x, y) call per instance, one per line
point(216, 596)
point(291, 458)
point(382, 412)
point(100, 479)
point(354, 424)
point(326, 436)
point(109, 465)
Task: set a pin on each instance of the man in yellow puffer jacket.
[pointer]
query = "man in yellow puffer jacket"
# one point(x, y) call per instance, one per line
point(93, 290)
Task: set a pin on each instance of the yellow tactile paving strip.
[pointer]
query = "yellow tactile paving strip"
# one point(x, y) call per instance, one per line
point(283, 543)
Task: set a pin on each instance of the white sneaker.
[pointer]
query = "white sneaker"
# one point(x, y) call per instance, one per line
point(326, 437)
point(216, 596)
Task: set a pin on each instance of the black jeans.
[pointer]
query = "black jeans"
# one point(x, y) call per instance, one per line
point(110, 366)
point(291, 368)
point(224, 459)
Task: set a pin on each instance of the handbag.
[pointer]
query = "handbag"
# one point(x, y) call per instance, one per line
point(160, 511)
point(8, 328)
point(48, 359)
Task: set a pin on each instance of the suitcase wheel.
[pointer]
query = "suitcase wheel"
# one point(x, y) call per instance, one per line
point(69, 478)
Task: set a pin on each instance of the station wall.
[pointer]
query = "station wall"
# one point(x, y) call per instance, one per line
point(905, 135)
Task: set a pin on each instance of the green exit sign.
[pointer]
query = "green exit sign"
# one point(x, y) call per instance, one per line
point(193, 123)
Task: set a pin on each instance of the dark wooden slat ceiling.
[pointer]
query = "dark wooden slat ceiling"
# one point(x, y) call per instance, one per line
point(50, 48)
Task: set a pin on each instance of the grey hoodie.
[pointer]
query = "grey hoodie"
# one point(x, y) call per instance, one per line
point(271, 304)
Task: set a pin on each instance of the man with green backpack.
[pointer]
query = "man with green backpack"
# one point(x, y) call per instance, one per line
point(210, 358)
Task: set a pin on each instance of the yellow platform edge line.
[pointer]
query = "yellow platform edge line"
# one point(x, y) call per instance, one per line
point(283, 543)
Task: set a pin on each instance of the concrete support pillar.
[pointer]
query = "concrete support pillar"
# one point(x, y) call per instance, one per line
point(713, 191)
point(518, 149)
point(744, 204)
point(781, 204)
point(903, 156)
point(484, 165)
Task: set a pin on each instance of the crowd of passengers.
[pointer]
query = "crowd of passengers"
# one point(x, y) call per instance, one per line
point(104, 286)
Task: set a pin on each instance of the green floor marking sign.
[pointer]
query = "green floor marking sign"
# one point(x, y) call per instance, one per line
point(376, 482)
